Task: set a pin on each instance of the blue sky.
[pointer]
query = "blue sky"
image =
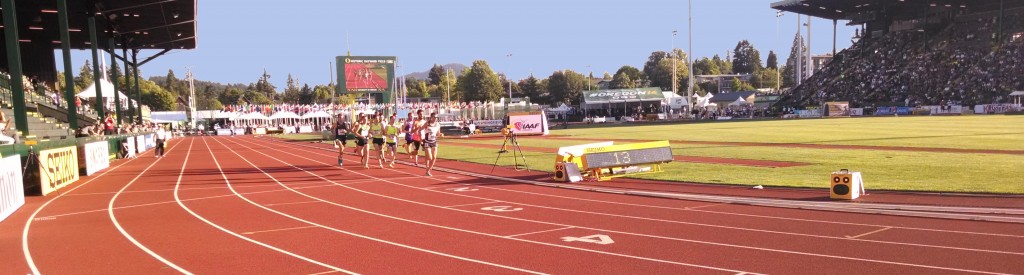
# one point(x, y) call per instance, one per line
point(239, 39)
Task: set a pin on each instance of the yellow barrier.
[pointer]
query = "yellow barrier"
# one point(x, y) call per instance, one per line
point(57, 168)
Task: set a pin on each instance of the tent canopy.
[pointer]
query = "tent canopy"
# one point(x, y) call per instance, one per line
point(285, 115)
point(1017, 93)
point(107, 91)
point(253, 115)
point(316, 114)
point(560, 109)
point(740, 101)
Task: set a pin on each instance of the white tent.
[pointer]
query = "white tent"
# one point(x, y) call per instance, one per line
point(739, 102)
point(560, 109)
point(107, 90)
point(227, 115)
point(704, 101)
point(285, 116)
point(319, 116)
point(674, 100)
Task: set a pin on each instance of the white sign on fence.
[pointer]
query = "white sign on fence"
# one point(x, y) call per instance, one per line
point(12, 187)
point(94, 157)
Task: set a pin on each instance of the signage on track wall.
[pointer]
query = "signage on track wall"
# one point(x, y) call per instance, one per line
point(57, 168)
point(12, 187)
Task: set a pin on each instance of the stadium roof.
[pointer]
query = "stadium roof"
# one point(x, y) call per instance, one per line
point(143, 24)
point(858, 10)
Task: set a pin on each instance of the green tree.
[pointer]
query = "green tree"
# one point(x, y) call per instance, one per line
point(84, 78)
point(449, 87)
point(773, 61)
point(156, 97)
point(479, 83)
point(436, 74)
point(745, 58)
point(658, 69)
point(738, 86)
point(264, 87)
point(171, 83)
point(706, 66)
point(635, 74)
point(724, 66)
point(607, 76)
point(531, 87)
point(291, 91)
point(306, 95)
point(566, 86)
point(322, 93)
point(622, 81)
point(765, 78)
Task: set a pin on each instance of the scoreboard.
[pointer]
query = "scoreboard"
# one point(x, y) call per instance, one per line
point(627, 155)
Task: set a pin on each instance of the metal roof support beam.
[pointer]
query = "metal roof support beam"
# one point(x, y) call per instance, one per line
point(128, 82)
point(136, 6)
point(14, 65)
point(65, 49)
point(96, 74)
point(113, 79)
point(162, 52)
point(157, 27)
point(138, 92)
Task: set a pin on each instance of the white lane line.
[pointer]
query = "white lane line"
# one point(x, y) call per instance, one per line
point(322, 273)
point(113, 218)
point(537, 232)
point(468, 204)
point(232, 233)
point(278, 230)
point(186, 189)
point(661, 237)
point(706, 205)
point(28, 223)
point(319, 152)
point(869, 233)
point(343, 231)
point(289, 203)
point(675, 221)
point(169, 202)
point(454, 209)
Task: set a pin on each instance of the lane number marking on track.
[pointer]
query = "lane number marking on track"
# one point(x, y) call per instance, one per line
point(463, 189)
point(595, 239)
point(501, 208)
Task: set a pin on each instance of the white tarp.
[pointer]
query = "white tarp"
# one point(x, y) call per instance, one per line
point(107, 91)
point(285, 115)
point(704, 101)
point(317, 114)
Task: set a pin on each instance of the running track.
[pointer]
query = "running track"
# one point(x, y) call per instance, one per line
point(255, 205)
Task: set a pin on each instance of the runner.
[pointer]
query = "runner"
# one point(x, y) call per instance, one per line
point(407, 130)
point(359, 124)
point(377, 133)
point(362, 136)
point(341, 136)
point(430, 129)
point(417, 136)
point(391, 138)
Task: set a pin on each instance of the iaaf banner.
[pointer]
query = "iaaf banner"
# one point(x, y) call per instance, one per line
point(130, 147)
point(12, 187)
point(57, 168)
point(529, 123)
point(140, 144)
point(94, 157)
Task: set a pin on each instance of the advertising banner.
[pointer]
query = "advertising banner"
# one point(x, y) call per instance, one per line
point(93, 157)
point(260, 131)
point(239, 131)
point(223, 132)
point(856, 111)
point(12, 187)
point(838, 109)
point(140, 144)
point(996, 108)
point(611, 96)
point(529, 123)
point(129, 146)
point(57, 168)
point(151, 141)
point(888, 111)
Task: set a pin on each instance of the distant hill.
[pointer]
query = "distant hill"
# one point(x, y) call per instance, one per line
point(455, 67)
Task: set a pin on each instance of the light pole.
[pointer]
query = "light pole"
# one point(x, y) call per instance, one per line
point(778, 71)
point(673, 55)
point(689, 57)
point(509, 79)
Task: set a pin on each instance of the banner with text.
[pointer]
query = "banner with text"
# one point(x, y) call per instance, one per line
point(838, 109)
point(151, 141)
point(57, 168)
point(94, 157)
point(140, 144)
point(12, 187)
point(529, 123)
point(129, 146)
point(632, 95)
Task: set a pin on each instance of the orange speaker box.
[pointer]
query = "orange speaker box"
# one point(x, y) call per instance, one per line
point(846, 185)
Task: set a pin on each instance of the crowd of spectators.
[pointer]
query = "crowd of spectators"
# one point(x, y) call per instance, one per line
point(962, 63)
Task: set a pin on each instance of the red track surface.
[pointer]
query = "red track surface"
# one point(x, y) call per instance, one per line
point(252, 205)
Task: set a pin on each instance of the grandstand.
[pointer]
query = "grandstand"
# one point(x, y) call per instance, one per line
point(916, 52)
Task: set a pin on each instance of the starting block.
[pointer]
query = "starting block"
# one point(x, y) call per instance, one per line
point(605, 160)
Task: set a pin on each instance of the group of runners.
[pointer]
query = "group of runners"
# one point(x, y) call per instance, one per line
point(383, 132)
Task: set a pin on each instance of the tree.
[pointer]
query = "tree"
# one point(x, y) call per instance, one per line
point(171, 83)
point(531, 87)
point(659, 69)
point(436, 74)
point(746, 59)
point(706, 66)
point(566, 87)
point(479, 83)
point(306, 95)
point(291, 91)
point(724, 66)
point(156, 97)
point(622, 81)
point(231, 95)
point(789, 71)
point(765, 78)
point(738, 85)
point(322, 94)
point(773, 61)
point(607, 76)
point(84, 78)
point(634, 74)
point(264, 87)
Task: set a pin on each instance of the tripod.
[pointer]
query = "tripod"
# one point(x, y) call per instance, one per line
point(517, 153)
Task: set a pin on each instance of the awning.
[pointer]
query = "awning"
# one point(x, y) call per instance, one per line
point(623, 95)
point(316, 114)
point(107, 91)
point(285, 115)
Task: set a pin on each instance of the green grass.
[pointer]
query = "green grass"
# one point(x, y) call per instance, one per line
point(300, 137)
point(882, 169)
